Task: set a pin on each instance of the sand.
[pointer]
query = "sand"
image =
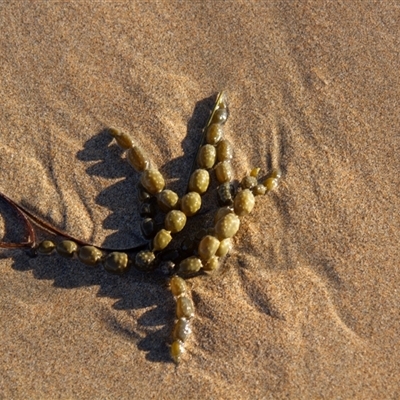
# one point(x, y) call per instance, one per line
point(307, 304)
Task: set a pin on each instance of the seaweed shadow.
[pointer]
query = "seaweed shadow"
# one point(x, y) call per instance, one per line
point(135, 290)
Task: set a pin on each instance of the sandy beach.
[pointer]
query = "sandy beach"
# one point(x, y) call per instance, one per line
point(306, 305)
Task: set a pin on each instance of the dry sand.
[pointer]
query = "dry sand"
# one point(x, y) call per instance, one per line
point(307, 304)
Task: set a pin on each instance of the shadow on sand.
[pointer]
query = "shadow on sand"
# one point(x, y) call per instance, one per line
point(135, 289)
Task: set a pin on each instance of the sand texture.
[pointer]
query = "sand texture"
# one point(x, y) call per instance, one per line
point(307, 304)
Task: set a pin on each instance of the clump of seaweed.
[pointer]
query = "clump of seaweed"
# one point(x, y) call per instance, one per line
point(202, 254)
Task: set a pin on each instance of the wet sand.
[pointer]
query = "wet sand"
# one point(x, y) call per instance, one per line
point(307, 304)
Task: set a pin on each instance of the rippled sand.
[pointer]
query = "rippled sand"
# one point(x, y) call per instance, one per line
point(307, 304)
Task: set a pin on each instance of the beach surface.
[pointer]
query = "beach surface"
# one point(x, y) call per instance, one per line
point(306, 306)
